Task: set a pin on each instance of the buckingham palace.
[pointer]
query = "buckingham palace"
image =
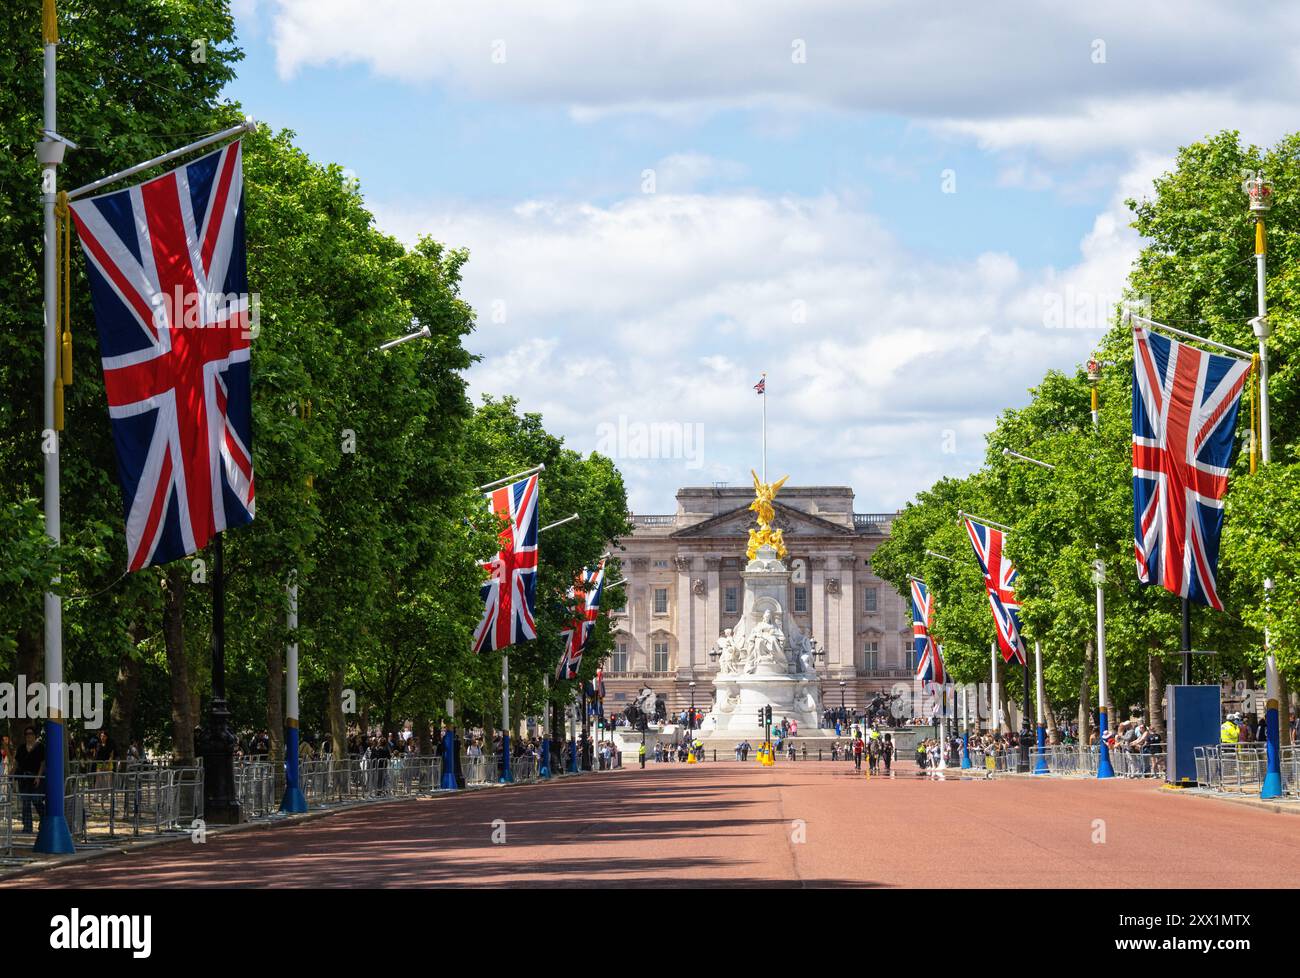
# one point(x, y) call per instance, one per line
point(684, 586)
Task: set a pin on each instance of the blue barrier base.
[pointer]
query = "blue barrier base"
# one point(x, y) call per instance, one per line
point(53, 837)
point(507, 776)
point(293, 803)
point(1041, 766)
point(544, 762)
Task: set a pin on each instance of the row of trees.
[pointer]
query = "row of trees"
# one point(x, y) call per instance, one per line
point(365, 461)
point(1196, 272)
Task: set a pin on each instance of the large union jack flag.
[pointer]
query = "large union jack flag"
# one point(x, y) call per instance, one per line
point(1000, 582)
point(929, 660)
point(509, 594)
point(1185, 406)
point(169, 285)
point(586, 592)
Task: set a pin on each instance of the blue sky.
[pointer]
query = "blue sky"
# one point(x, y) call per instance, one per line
point(877, 203)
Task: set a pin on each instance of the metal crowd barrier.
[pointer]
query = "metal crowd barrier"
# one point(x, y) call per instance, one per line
point(255, 787)
point(1240, 768)
point(7, 797)
point(109, 799)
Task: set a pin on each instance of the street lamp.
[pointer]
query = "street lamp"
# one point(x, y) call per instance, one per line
point(1104, 768)
point(1259, 191)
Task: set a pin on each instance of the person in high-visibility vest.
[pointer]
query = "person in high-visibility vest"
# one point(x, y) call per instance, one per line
point(1229, 732)
point(641, 755)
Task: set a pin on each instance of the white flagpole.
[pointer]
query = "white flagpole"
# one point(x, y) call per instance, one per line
point(993, 682)
point(248, 125)
point(764, 395)
point(53, 836)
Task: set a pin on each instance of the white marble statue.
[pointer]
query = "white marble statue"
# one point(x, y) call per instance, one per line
point(766, 644)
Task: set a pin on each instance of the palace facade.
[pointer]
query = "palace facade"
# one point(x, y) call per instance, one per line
point(684, 587)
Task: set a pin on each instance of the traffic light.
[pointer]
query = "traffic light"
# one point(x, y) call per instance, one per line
point(768, 711)
point(760, 716)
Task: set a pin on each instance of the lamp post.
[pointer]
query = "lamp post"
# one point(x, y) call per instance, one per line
point(691, 716)
point(1104, 768)
point(1259, 191)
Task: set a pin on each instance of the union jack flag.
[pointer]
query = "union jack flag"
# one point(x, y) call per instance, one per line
point(929, 660)
point(587, 592)
point(1185, 406)
point(509, 594)
point(1000, 581)
point(761, 386)
point(169, 285)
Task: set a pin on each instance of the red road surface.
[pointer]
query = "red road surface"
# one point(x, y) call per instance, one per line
point(727, 824)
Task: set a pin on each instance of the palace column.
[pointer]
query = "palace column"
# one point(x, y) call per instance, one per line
point(684, 618)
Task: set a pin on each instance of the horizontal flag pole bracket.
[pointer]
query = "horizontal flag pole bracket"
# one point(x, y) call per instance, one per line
point(935, 553)
point(248, 125)
point(423, 333)
point(1242, 354)
point(979, 519)
point(567, 519)
point(1028, 458)
point(511, 478)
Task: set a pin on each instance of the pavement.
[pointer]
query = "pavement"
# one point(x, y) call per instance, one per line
point(725, 824)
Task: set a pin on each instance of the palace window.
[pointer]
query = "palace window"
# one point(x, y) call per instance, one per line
point(660, 565)
point(909, 655)
point(661, 601)
point(871, 600)
point(620, 658)
point(661, 656)
point(871, 656)
point(801, 599)
point(729, 600)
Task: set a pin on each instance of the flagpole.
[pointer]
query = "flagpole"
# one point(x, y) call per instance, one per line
point(293, 801)
point(217, 741)
point(53, 836)
point(1104, 768)
point(1041, 766)
point(1260, 190)
point(993, 682)
point(248, 125)
point(765, 426)
point(544, 761)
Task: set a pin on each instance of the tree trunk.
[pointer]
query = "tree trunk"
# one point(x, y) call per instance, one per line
point(275, 707)
point(337, 722)
point(174, 585)
point(423, 740)
point(1085, 693)
point(1155, 691)
point(27, 662)
point(121, 717)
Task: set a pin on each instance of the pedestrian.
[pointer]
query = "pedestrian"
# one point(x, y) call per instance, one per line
point(29, 772)
point(857, 754)
point(641, 756)
point(887, 753)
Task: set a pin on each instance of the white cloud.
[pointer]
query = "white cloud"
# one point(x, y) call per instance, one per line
point(666, 307)
point(1027, 76)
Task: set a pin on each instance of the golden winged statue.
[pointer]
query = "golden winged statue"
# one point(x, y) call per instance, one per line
point(764, 494)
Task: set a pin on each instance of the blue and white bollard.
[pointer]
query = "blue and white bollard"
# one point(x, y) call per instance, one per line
point(1273, 770)
point(293, 802)
point(448, 780)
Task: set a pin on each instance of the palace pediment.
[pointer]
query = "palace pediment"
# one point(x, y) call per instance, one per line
point(737, 523)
